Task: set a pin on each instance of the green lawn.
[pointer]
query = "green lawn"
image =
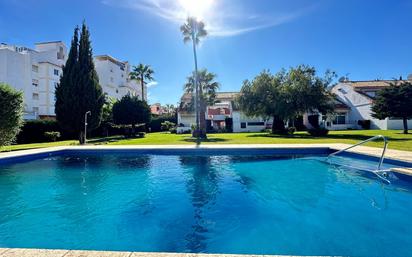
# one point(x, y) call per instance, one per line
point(37, 145)
point(397, 140)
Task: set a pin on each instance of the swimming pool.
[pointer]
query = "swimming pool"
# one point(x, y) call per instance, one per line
point(215, 202)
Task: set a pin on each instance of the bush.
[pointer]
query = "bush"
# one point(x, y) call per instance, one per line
point(33, 131)
point(11, 113)
point(318, 132)
point(167, 125)
point(52, 135)
point(155, 124)
point(141, 134)
point(173, 130)
point(365, 124)
point(291, 130)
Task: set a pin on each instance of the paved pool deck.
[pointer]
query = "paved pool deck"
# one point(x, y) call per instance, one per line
point(16, 252)
point(365, 150)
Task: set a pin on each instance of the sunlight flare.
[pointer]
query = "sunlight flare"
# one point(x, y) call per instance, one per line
point(196, 8)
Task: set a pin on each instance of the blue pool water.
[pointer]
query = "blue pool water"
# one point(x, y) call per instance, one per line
point(213, 204)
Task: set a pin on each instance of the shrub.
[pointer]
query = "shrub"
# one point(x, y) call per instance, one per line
point(365, 124)
point(11, 113)
point(173, 130)
point(167, 125)
point(52, 135)
point(141, 134)
point(155, 124)
point(33, 131)
point(318, 132)
point(291, 130)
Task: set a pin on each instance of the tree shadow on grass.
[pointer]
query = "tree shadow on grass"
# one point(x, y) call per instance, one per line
point(105, 140)
point(200, 141)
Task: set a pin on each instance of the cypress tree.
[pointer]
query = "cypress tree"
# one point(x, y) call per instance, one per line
point(79, 90)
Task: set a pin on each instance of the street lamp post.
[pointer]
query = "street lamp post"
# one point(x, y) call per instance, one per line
point(85, 125)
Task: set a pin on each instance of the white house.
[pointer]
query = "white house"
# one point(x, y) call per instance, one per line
point(357, 97)
point(114, 77)
point(35, 72)
point(219, 115)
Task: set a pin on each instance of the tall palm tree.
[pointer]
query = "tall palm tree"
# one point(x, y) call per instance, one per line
point(193, 30)
point(207, 91)
point(144, 73)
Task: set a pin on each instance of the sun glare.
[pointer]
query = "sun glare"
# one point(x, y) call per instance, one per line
point(196, 8)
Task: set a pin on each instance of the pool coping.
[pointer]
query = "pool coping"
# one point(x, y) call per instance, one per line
point(22, 252)
point(397, 155)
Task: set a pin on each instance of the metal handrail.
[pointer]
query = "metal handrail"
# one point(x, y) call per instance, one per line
point(363, 142)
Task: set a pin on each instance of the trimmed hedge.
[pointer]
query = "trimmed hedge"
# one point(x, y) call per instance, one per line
point(33, 131)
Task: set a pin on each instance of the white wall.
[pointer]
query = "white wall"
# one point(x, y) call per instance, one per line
point(398, 124)
point(360, 105)
point(114, 80)
point(239, 118)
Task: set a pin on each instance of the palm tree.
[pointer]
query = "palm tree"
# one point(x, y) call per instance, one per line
point(144, 73)
point(207, 91)
point(193, 30)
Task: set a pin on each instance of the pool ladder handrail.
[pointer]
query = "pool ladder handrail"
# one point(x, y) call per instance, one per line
point(385, 140)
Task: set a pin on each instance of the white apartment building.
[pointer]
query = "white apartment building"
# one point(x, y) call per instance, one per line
point(36, 72)
point(114, 77)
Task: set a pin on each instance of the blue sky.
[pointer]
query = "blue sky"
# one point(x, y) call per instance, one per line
point(363, 38)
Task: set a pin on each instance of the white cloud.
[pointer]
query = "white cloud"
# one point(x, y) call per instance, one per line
point(152, 84)
point(219, 24)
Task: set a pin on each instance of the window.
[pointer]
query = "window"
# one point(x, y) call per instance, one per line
point(35, 68)
point(35, 96)
point(243, 125)
point(36, 109)
point(35, 83)
point(117, 91)
point(340, 119)
point(256, 124)
point(56, 72)
point(60, 53)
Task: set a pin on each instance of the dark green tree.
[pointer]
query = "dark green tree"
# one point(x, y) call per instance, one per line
point(11, 113)
point(131, 111)
point(79, 91)
point(394, 101)
point(286, 95)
